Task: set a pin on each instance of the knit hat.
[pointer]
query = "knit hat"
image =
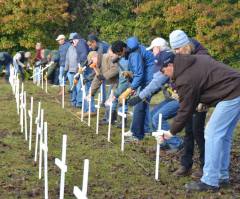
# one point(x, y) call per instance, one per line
point(178, 39)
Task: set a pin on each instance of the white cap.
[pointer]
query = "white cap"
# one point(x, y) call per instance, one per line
point(60, 37)
point(158, 42)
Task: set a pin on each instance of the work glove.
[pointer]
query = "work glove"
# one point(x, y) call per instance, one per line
point(134, 100)
point(80, 70)
point(202, 108)
point(125, 95)
point(127, 74)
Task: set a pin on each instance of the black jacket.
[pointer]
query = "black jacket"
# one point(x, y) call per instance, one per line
point(201, 79)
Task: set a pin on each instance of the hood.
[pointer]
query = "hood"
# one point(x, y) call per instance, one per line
point(132, 43)
point(182, 63)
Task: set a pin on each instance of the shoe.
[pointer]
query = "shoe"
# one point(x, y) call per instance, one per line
point(131, 139)
point(182, 171)
point(197, 174)
point(200, 186)
point(85, 114)
point(128, 134)
point(224, 182)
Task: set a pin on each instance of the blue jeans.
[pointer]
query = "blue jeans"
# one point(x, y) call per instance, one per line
point(141, 119)
point(218, 141)
point(37, 74)
point(7, 66)
point(86, 104)
point(60, 77)
point(76, 94)
point(168, 108)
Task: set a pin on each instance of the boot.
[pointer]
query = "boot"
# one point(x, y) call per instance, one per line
point(197, 174)
point(182, 171)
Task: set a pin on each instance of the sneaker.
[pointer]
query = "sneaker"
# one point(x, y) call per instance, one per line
point(131, 139)
point(128, 134)
point(197, 174)
point(200, 186)
point(182, 171)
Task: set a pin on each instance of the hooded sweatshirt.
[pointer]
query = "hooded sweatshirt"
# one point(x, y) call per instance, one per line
point(201, 79)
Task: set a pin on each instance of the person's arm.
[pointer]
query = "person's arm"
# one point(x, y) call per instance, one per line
point(154, 86)
point(17, 58)
point(112, 72)
point(67, 61)
point(137, 66)
point(95, 85)
point(188, 99)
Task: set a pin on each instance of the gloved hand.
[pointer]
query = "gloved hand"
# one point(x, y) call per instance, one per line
point(202, 108)
point(134, 100)
point(127, 74)
point(80, 70)
point(125, 95)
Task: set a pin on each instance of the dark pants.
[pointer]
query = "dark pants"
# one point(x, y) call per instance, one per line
point(194, 131)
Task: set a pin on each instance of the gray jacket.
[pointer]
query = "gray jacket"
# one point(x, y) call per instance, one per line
point(71, 63)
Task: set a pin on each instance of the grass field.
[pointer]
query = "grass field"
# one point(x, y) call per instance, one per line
point(113, 174)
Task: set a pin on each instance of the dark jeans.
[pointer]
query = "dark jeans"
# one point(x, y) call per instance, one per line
point(194, 131)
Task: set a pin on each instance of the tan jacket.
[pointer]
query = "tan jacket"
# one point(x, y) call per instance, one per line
point(109, 71)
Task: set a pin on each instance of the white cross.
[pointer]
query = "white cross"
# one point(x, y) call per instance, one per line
point(83, 96)
point(123, 115)
point(17, 95)
point(21, 108)
point(157, 134)
point(39, 76)
point(39, 118)
point(62, 165)
point(97, 106)
point(30, 113)
point(110, 115)
point(62, 92)
point(25, 115)
point(44, 148)
point(46, 85)
point(101, 92)
point(82, 194)
point(89, 107)
point(40, 133)
point(42, 79)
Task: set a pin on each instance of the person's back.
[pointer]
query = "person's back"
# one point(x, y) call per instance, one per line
point(215, 81)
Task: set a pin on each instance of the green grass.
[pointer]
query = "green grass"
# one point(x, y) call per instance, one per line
point(113, 174)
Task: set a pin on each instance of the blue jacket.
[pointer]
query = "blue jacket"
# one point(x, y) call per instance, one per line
point(102, 47)
point(141, 63)
point(62, 53)
point(5, 58)
point(154, 86)
point(82, 51)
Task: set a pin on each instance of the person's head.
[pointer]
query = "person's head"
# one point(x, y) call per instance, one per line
point(60, 39)
point(167, 60)
point(180, 42)
point(38, 46)
point(27, 55)
point(74, 38)
point(157, 45)
point(93, 41)
point(119, 48)
point(92, 57)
